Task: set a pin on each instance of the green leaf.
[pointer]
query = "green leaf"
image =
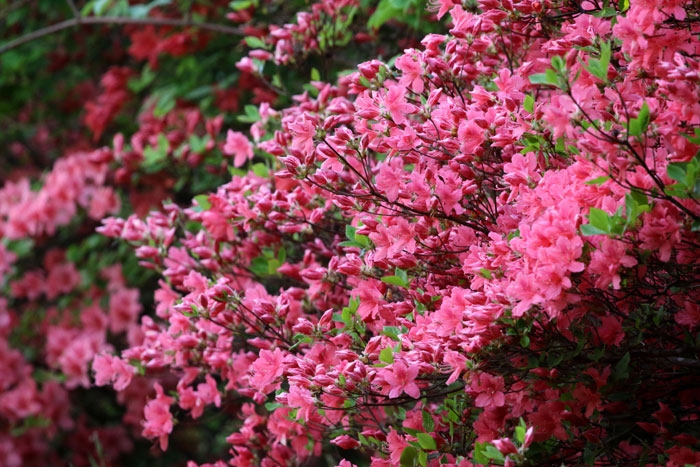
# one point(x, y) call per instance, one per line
point(384, 12)
point(428, 422)
point(538, 78)
point(422, 458)
point(598, 180)
point(408, 457)
point(391, 331)
point(261, 170)
point(635, 204)
point(270, 406)
point(254, 42)
point(426, 441)
point(198, 145)
point(677, 171)
point(597, 354)
point(394, 280)
point(479, 455)
point(558, 63)
point(491, 452)
point(20, 247)
point(549, 77)
point(153, 156)
point(622, 367)
point(139, 84)
point(599, 219)
point(239, 5)
point(315, 75)
point(520, 431)
point(677, 190)
point(387, 355)
point(695, 139)
point(606, 12)
point(362, 240)
point(252, 115)
point(400, 273)
point(639, 125)
point(100, 6)
point(203, 202)
point(605, 54)
point(644, 117)
point(529, 104)
point(588, 230)
point(485, 273)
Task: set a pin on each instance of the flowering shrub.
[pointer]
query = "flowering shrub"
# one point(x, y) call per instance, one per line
point(482, 251)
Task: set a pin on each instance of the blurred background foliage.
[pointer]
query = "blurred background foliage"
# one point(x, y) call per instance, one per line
point(156, 82)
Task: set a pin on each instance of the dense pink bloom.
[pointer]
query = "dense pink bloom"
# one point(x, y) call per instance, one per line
point(124, 308)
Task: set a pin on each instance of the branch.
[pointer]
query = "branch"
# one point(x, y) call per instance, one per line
point(114, 20)
point(12, 7)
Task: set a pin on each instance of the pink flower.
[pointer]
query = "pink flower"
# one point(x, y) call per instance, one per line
point(303, 130)
point(112, 370)
point(401, 378)
point(458, 363)
point(371, 299)
point(558, 114)
point(490, 391)
point(62, 279)
point(302, 399)
point(396, 444)
point(441, 6)
point(159, 420)
point(266, 369)
point(547, 422)
point(470, 136)
point(412, 72)
point(237, 145)
point(395, 103)
point(104, 201)
point(124, 309)
point(610, 330)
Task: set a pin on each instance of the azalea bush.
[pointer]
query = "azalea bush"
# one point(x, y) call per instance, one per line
point(351, 233)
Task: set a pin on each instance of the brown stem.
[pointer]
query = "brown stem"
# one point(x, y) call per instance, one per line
point(113, 20)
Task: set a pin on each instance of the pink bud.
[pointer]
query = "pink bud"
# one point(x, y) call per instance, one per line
point(345, 442)
point(505, 446)
point(304, 326)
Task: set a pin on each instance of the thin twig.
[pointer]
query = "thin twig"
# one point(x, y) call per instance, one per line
point(113, 20)
point(74, 9)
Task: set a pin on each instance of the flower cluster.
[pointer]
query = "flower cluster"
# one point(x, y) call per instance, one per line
point(481, 252)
